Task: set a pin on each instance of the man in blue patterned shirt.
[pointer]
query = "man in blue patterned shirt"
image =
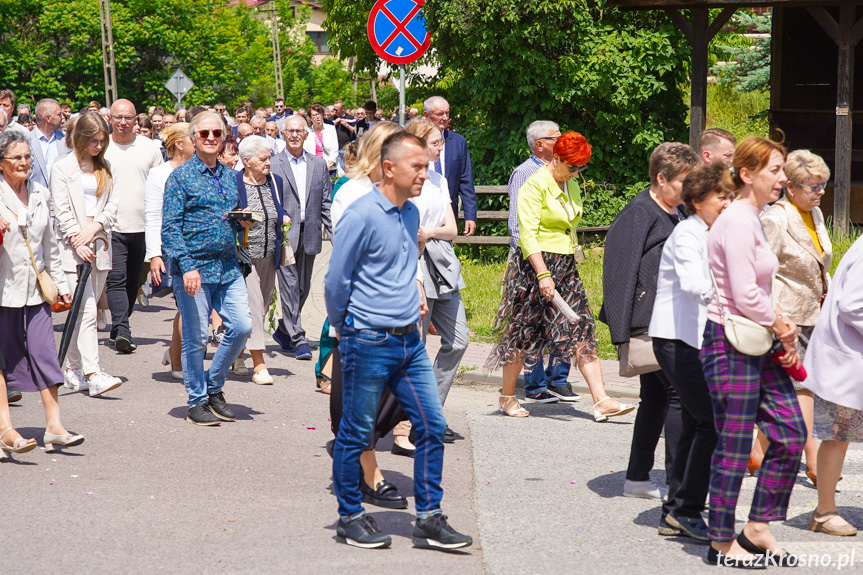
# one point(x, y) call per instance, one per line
point(199, 241)
point(540, 386)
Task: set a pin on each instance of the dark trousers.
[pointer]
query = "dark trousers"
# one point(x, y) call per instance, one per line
point(689, 481)
point(124, 279)
point(294, 284)
point(659, 407)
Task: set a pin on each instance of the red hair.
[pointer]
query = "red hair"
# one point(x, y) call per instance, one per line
point(572, 148)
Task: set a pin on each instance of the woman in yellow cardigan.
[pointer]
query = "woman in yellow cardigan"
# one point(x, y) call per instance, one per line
point(549, 208)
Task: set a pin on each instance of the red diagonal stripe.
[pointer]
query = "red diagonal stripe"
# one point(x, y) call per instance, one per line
point(401, 26)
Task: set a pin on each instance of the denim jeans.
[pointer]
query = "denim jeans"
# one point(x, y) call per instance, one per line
point(537, 379)
point(372, 359)
point(231, 301)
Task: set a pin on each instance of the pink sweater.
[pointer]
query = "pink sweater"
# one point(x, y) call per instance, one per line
point(743, 263)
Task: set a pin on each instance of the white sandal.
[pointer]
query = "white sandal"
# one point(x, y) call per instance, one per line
point(623, 410)
point(517, 411)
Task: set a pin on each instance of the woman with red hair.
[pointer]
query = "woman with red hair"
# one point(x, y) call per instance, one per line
point(549, 209)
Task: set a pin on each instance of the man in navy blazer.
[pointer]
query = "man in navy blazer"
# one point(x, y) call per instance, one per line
point(306, 199)
point(47, 141)
point(454, 164)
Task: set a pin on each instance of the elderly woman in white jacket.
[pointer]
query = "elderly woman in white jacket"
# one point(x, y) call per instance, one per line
point(85, 206)
point(834, 362)
point(27, 343)
point(677, 326)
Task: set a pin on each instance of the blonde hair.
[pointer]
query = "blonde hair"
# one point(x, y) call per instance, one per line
point(803, 164)
point(91, 124)
point(421, 127)
point(70, 129)
point(369, 154)
point(173, 134)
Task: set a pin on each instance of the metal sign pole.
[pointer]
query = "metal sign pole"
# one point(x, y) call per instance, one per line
point(402, 95)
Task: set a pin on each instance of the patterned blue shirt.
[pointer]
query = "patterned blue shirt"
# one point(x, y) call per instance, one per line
point(516, 181)
point(196, 234)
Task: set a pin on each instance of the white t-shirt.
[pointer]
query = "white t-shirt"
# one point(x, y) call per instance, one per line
point(130, 165)
point(90, 199)
point(433, 201)
point(154, 192)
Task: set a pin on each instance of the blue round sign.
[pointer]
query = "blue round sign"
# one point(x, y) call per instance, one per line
point(397, 30)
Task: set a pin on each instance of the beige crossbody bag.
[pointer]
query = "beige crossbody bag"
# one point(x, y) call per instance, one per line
point(744, 335)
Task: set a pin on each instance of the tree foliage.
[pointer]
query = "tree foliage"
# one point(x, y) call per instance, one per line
point(52, 48)
point(748, 68)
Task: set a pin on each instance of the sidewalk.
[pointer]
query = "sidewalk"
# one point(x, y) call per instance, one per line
point(315, 313)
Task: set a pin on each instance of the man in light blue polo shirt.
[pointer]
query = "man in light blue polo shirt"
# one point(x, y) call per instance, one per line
point(373, 304)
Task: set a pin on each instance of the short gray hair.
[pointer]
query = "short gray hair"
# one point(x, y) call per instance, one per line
point(251, 146)
point(433, 102)
point(540, 129)
point(256, 121)
point(9, 138)
point(193, 125)
point(5, 117)
point(42, 107)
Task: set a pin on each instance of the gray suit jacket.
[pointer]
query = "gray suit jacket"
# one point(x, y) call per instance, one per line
point(40, 172)
point(318, 194)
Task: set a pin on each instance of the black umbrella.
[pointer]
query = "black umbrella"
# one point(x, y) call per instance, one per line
point(72, 319)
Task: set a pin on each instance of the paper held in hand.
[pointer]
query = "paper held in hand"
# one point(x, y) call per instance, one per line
point(564, 308)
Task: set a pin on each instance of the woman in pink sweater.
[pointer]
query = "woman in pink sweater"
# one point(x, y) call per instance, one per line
point(746, 389)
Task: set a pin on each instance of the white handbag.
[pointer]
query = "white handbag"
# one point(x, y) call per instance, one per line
point(744, 335)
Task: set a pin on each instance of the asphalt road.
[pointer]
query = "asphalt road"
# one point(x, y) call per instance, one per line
point(150, 493)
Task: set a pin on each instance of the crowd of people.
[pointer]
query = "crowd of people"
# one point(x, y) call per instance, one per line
point(714, 278)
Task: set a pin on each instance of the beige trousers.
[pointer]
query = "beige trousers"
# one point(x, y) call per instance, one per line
point(83, 354)
point(260, 284)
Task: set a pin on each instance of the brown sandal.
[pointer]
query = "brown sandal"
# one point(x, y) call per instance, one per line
point(512, 408)
point(325, 385)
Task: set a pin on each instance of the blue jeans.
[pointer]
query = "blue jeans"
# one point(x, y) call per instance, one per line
point(372, 359)
point(537, 379)
point(231, 301)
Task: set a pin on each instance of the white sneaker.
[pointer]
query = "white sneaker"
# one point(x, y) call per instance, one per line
point(643, 489)
point(101, 323)
point(74, 380)
point(263, 377)
point(100, 382)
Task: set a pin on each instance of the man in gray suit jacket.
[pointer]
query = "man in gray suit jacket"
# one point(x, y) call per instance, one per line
point(306, 198)
point(47, 142)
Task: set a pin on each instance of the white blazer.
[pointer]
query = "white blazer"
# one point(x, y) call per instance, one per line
point(331, 143)
point(17, 278)
point(834, 358)
point(683, 287)
point(70, 212)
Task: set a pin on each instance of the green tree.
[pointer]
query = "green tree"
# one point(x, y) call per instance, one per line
point(749, 66)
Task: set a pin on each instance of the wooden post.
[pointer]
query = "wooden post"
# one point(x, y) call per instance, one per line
point(842, 178)
point(698, 81)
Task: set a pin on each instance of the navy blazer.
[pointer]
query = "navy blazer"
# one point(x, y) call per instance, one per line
point(459, 174)
point(276, 185)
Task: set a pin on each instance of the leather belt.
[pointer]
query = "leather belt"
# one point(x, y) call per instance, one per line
point(404, 330)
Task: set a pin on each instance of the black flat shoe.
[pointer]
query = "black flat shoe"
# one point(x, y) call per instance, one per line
point(385, 495)
point(771, 558)
point(399, 450)
point(449, 435)
point(714, 557)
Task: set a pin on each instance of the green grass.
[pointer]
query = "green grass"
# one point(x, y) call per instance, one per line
point(483, 293)
point(741, 114)
point(841, 244)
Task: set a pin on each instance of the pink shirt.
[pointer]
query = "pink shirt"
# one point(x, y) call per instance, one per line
point(743, 264)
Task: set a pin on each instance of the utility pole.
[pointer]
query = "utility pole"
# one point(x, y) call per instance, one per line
point(277, 51)
point(108, 52)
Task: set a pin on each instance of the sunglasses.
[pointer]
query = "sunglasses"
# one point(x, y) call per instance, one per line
point(816, 188)
point(576, 169)
point(205, 134)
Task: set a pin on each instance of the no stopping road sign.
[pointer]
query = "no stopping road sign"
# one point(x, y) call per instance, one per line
point(397, 30)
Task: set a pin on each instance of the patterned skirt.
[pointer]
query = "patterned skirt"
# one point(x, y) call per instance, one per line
point(531, 324)
point(837, 422)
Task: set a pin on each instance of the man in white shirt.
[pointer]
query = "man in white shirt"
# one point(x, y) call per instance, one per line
point(131, 157)
point(47, 142)
point(306, 198)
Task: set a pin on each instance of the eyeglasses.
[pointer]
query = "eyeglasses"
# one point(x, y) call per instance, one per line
point(279, 106)
point(576, 169)
point(441, 114)
point(26, 158)
point(436, 144)
point(95, 142)
point(205, 134)
point(220, 110)
point(555, 138)
point(121, 118)
point(816, 188)
point(293, 132)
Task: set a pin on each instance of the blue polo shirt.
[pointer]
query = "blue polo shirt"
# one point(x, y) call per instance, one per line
point(373, 266)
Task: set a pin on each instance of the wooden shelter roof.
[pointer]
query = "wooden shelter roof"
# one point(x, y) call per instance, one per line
point(658, 4)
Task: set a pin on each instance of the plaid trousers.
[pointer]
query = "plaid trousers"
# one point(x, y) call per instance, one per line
point(748, 390)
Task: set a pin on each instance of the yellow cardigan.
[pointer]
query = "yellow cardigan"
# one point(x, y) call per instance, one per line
point(543, 222)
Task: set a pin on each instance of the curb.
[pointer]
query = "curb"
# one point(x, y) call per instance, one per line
point(493, 382)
